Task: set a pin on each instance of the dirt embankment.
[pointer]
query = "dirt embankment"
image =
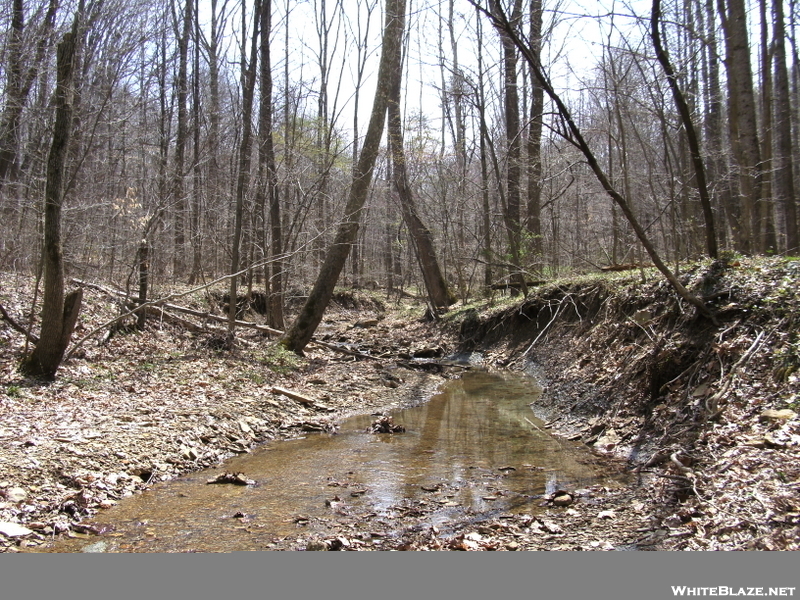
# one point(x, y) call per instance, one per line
point(705, 413)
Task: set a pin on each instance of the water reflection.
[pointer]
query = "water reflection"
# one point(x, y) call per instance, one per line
point(473, 447)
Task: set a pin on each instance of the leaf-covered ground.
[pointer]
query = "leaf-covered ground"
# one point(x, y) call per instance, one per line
point(702, 415)
point(144, 407)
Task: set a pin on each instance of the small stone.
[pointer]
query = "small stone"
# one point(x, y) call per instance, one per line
point(366, 323)
point(13, 529)
point(96, 548)
point(316, 546)
point(777, 415)
point(562, 499)
point(16, 494)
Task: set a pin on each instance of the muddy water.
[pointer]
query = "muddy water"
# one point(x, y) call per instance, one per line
point(474, 448)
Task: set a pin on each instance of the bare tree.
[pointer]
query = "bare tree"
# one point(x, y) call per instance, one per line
point(59, 314)
point(179, 197)
point(574, 135)
point(784, 177)
point(768, 241)
point(533, 218)
point(248, 82)
point(268, 174)
point(435, 284)
point(691, 132)
point(513, 144)
point(742, 124)
point(196, 232)
point(303, 327)
point(19, 80)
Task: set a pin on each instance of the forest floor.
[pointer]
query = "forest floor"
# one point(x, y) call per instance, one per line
point(702, 416)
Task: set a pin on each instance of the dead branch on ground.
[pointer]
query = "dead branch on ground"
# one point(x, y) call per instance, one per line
point(17, 327)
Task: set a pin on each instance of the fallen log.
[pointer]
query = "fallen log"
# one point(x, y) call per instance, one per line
point(510, 285)
point(160, 305)
point(17, 327)
point(117, 296)
point(220, 319)
point(293, 395)
point(625, 267)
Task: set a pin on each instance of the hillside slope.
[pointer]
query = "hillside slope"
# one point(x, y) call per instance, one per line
point(705, 413)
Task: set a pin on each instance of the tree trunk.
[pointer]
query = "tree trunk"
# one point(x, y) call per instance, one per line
point(768, 240)
point(438, 293)
point(19, 81)
point(691, 132)
point(512, 122)
point(179, 198)
point(576, 137)
point(486, 215)
point(197, 249)
point(268, 175)
point(712, 126)
point(142, 259)
point(302, 329)
point(784, 178)
point(58, 314)
point(533, 221)
point(742, 122)
point(248, 89)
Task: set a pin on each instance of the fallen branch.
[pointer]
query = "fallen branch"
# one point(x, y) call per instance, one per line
point(176, 320)
point(294, 395)
point(712, 403)
point(163, 304)
point(17, 327)
point(546, 327)
point(110, 292)
point(220, 319)
point(263, 329)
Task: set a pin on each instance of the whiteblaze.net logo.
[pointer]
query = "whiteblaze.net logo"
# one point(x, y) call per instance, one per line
point(723, 590)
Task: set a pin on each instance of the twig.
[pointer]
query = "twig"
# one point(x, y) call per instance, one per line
point(552, 437)
point(712, 402)
point(546, 327)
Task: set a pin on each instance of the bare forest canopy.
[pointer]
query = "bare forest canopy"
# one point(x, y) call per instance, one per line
point(227, 135)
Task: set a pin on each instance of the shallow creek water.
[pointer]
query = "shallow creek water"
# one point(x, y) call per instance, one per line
point(474, 448)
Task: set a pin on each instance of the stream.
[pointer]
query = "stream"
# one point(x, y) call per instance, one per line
point(474, 450)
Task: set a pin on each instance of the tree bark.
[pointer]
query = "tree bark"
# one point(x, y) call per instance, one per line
point(142, 259)
point(718, 169)
point(268, 175)
point(742, 122)
point(784, 178)
point(768, 239)
point(512, 122)
point(303, 327)
point(533, 220)
point(196, 232)
point(19, 81)
point(248, 75)
point(58, 314)
point(486, 216)
point(179, 197)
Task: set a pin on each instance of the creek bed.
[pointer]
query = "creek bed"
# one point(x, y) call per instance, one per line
point(475, 449)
